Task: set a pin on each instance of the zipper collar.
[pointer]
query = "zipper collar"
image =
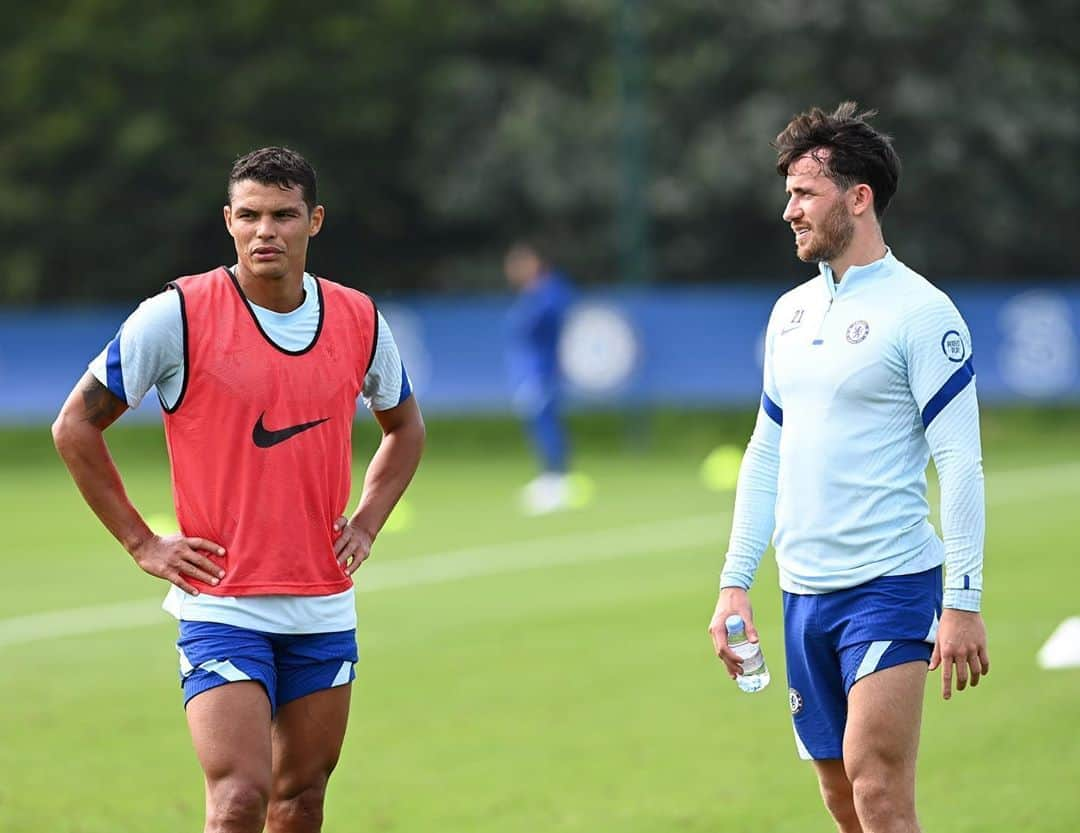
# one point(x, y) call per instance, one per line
point(879, 268)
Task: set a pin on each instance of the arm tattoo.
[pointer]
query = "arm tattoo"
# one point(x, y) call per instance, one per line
point(101, 406)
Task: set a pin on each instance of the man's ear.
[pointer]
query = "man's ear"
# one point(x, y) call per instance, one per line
point(318, 214)
point(862, 199)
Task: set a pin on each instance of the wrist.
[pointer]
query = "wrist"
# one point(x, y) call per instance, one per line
point(133, 541)
point(969, 600)
point(364, 526)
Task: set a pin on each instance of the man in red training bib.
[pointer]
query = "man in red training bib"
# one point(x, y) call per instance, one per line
point(258, 367)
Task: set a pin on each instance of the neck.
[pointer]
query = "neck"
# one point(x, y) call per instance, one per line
point(864, 250)
point(282, 294)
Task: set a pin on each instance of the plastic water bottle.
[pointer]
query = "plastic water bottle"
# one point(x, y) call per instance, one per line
point(755, 675)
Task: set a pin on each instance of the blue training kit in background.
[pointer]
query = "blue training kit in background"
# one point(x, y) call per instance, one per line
point(288, 666)
point(832, 640)
point(534, 325)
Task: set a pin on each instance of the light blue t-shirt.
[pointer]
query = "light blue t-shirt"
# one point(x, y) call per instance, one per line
point(863, 380)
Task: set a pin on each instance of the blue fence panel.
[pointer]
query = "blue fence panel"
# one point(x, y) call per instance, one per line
point(683, 347)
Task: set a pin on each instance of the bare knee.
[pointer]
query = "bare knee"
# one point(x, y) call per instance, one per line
point(884, 798)
point(235, 805)
point(297, 808)
point(837, 795)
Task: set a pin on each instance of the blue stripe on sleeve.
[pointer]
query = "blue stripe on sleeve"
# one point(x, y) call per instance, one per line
point(114, 374)
point(955, 383)
point(772, 409)
point(406, 385)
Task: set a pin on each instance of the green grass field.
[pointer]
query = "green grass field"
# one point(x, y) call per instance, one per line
point(521, 675)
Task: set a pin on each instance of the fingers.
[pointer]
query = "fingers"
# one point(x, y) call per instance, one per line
point(358, 559)
point(719, 639)
point(341, 526)
point(351, 549)
point(193, 570)
point(178, 580)
point(975, 671)
point(969, 663)
point(203, 544)
point(191, 564)
point(731, 661)
point(961, 672)
point(935, 657)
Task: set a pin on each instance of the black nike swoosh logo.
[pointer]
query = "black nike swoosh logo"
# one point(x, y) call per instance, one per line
point(264, 438)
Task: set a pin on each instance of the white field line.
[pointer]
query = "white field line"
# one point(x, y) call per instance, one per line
point(493, 559)
point(1018, 485)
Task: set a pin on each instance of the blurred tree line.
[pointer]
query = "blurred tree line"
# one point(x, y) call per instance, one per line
point(442, 131)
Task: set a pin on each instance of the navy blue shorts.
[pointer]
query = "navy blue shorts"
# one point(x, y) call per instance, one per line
point(288, 666)
point(833, 640)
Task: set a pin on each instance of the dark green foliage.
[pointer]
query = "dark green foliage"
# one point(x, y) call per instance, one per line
point(442, 130)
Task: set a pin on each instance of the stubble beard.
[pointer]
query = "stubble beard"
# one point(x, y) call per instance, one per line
point(831, 239)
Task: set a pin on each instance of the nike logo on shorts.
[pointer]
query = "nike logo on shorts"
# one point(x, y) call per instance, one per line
point(264, 438)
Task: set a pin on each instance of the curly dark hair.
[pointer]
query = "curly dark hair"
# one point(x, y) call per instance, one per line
point(856, 152)
point(276, 166)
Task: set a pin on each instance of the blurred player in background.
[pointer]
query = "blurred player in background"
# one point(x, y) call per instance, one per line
point(258, 368)
point(867, 373)
point(535, 324)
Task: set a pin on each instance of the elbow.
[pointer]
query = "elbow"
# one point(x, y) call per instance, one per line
point(420, 435)
point(68, 433)
point(61, 433)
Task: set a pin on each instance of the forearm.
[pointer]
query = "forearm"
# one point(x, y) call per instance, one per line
point(755, 506)
point(82, 448)
point(954, 442)
point(389, 473)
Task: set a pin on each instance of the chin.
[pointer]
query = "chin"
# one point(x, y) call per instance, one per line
point(269, 271)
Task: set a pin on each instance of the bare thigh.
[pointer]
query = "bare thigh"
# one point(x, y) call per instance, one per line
point(307, 736)
point(230, 729)
point(881, 744)
point(885, 717)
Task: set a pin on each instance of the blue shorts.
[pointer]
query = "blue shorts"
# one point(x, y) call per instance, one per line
point(833, 640)
point(289, 666)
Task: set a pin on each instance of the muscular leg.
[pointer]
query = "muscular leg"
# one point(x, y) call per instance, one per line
point(881, 743)
point(836, 792)
point(307, 737)
point(230, 728)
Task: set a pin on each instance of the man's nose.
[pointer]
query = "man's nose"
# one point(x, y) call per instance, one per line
point(791, 211)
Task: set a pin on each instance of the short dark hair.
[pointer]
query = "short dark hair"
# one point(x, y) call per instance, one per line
point(857, 153)
point(276, 166)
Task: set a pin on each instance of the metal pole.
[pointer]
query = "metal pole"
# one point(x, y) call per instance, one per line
point(632, 222)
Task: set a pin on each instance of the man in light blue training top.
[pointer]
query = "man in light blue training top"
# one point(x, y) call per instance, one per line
point(535, 325)
point(868, 371)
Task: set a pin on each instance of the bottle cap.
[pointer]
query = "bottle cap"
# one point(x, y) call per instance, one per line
point(734, 623)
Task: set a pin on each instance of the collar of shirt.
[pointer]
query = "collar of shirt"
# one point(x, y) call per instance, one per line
point(858, 274)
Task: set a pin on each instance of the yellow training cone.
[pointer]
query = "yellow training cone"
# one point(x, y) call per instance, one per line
point(720, 469)
point(580, 489)
point(401, 518)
